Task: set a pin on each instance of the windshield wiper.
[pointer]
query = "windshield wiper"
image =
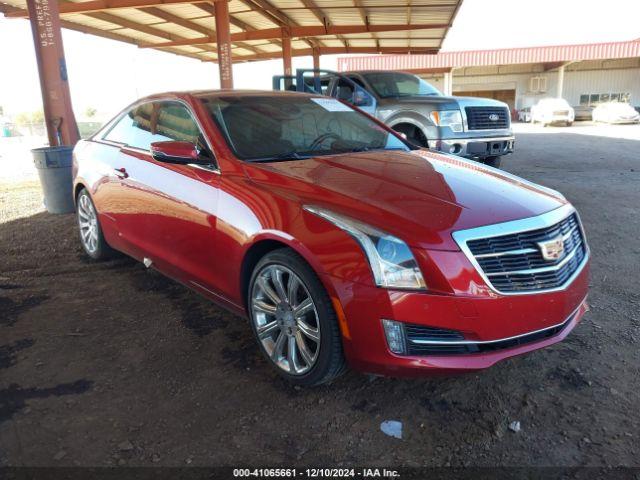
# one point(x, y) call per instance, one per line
point(293, 155)
point(369, 149)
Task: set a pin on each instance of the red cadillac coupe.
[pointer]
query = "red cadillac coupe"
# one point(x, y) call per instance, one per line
point(337, 239)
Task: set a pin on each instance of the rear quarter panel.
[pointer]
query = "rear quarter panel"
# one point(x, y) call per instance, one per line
point(93, 165)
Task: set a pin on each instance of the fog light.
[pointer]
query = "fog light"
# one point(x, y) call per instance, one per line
point(394, 331)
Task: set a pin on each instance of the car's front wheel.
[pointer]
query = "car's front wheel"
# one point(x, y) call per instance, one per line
point(91, 237)
point(293, 319)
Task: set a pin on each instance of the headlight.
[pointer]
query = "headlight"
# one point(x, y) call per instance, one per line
point(392, 263)
point(447, 118)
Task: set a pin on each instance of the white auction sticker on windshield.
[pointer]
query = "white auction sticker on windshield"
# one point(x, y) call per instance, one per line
point(331, 105)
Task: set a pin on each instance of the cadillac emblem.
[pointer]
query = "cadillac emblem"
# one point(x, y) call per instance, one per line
point(552, 249)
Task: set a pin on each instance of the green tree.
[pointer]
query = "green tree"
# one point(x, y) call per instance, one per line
point(25, 118)
point(90, 112)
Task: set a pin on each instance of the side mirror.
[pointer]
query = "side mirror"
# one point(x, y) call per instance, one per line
point(181, 153)
point(361, 98)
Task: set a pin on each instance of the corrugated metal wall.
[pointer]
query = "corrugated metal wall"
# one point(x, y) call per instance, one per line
point(576, 83)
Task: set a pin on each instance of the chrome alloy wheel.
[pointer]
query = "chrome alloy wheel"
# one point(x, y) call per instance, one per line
point(286, 319)
point(88, 223)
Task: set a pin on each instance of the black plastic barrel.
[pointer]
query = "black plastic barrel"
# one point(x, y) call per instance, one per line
point(54, 168)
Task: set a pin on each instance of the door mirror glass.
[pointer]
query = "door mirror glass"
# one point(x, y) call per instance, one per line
point(362, 98)
point(176, 152)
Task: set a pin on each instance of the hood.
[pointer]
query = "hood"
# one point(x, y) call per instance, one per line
point(420, 196)
point(442, 102)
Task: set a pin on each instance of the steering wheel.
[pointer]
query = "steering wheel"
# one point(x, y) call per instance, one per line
point(323, 138)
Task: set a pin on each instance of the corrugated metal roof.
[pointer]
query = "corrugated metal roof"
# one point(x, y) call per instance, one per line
point(186, 27)
point(484, 58)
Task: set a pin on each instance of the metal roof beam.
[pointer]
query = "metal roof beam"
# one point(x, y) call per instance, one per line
point(112, 35)
point(183, 22)
point(301, 52)
point(69, 8)
point(394, 7)
point(307, 31)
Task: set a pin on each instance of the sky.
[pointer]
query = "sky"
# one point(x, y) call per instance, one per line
point(107, 75)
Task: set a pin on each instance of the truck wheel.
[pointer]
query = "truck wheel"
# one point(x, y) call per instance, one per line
point(413, 134)
point(493, 161)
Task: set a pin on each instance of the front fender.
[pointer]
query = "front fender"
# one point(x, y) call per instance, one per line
point(416, 119)
point(413, 118)
point(330, 251)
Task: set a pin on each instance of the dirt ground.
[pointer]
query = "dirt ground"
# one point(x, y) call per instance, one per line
point(110, 364)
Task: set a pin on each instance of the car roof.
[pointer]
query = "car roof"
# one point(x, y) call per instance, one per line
point(224, 93)
point(374, 71)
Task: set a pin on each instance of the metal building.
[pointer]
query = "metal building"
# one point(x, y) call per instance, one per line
point(582, 74)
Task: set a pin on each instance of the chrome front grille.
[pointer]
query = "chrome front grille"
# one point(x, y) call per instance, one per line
point(510, 258)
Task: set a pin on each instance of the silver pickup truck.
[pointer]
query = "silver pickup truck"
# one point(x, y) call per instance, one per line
point(476, 128)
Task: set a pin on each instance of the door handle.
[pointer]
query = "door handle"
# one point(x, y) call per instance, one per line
point(121, 172)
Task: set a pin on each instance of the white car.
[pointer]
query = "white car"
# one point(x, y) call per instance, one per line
point(552, 110)
point(615, 112)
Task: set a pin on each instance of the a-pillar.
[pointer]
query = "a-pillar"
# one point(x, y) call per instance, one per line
point(52, 68)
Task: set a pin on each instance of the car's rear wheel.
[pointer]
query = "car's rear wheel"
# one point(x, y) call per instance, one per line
point(293, 319)
point(91, 237)
point(493, 161)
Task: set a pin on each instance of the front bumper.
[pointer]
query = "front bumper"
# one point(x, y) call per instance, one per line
point(558, 119)
point(475, 147)
point(495, 327)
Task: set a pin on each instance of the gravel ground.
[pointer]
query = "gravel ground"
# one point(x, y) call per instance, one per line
point(110, 364)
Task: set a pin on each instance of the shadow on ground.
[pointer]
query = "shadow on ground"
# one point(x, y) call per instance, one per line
point(115, 365)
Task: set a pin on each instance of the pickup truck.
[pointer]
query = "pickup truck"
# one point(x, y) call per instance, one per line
point(475, 128)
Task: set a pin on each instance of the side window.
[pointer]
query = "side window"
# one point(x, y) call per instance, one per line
point(357, 81)
point(157, 122)
point(344, 90)
point(135, 128)
point(174, 122)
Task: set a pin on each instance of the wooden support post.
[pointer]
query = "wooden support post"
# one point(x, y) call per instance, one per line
point(223, 36)
point(286, 54)
point(56, 98)
point(316, 58)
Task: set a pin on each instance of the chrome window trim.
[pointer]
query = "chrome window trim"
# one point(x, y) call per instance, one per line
point(99, 137)
point(545, 220)
point(506, 339)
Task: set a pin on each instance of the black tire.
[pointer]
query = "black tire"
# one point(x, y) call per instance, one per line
point(414, 135)
point(330, 362)
point(102, 250)
point(494, 162)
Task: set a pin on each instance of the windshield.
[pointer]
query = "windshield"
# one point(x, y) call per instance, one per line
point(395, 84)
point(273, 128)
point(554, 103)
point(619, 107)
